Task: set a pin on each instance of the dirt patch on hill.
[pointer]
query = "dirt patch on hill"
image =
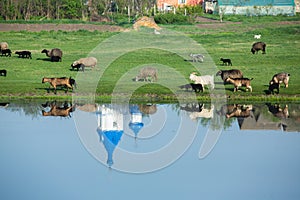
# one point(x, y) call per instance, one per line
point(56, 27)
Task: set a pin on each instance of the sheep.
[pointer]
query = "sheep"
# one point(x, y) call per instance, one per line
point(54, 82)
point(204, 80)
point(232, 73)
point(197, 57)
point(24, 54)
point(3, 46)
point(55, 54)
point(147, 72)
point(258, 46)
point(282, 77)
point(257, 36)
point(84, 62)
point(238, 82)
point(226, 61)
point(197, 87)
point(193, 86)
point(274, 86)
point(3, 72)
point(6, 52)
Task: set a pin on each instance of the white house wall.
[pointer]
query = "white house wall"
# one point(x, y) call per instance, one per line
point(257, 10)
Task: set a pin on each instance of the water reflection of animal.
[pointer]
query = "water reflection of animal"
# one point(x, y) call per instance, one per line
point(56, 110)
point(277, 111)
point(236, 110)
point(240, 111)
point(148, 108)
point(204, 113)
point(3, 105)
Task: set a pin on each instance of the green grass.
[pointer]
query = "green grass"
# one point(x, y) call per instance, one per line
point(232, 41)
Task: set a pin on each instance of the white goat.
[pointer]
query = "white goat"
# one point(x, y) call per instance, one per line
point(204, 80)
point(257, 36)
point(197, 57)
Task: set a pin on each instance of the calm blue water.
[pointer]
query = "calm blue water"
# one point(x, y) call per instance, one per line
point(169, 151)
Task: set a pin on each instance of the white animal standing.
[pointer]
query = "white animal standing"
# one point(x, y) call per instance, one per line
point(257, 36)
point(204, 80)
point(197, 57)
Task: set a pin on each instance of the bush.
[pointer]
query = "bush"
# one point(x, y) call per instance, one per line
point(170, 18)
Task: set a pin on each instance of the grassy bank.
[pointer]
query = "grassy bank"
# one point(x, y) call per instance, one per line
point(230, 40)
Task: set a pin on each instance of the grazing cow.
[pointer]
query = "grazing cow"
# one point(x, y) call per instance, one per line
point(24, 54)
point(258, 46)
point(3, 72)
point(203, 80)
point(238, 82)
point(282, 77)
point(226, 61)
point(232, 73)
point(54, 82)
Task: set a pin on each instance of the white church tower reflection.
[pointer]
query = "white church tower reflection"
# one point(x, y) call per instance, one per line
point(136, 119)
point(110, 129)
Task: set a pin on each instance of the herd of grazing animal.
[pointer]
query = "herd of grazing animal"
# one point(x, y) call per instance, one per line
point(55, 55)
point(235, 76)
point(198, 83)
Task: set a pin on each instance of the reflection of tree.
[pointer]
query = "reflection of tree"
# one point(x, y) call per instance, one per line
point(28, 108)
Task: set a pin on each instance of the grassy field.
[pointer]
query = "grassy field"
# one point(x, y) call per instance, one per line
point(231, 40)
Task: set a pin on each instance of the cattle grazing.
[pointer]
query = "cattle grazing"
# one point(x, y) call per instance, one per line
point(232, 73)
point(54, 82)
point(58, 111)
point(147, 72)
point(282, 77)
point(84, 62)
point(274, 86)
point(24, 54)
point(226, 61)
point(203, 80)
point(258, 46)
point(6, 52)
point(3, 72)
point(197, 57)
point(54, 54)
point(238, 82)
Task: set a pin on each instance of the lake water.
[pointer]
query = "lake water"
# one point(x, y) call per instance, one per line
point(58, 150)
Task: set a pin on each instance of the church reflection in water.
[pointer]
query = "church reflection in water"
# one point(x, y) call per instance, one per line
point(134, 122)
